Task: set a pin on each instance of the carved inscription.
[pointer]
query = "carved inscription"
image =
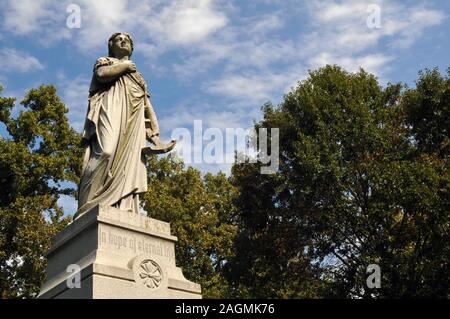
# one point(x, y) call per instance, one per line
point(135, 244)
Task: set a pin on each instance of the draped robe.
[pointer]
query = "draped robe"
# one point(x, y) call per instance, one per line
point(114, 171)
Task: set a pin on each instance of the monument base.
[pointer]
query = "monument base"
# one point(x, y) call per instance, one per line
point(110, 253)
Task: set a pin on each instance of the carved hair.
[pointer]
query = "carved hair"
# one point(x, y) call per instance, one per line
point(111, 42)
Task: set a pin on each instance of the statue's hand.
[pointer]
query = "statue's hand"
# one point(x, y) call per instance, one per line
point(152, 137)
point(129, 66)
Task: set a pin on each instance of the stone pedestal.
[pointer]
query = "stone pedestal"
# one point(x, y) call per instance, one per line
point(120, 255)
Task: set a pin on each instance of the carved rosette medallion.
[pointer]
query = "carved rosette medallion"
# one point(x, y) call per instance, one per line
point(150, 274)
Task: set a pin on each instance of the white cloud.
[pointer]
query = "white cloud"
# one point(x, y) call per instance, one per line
point(249, 53)
point(194, 150)
point(12, 60)
point(165, 24)
point(100, 19)
point(240, 86)
point(24, 17)
point(251, 89)
point(237, 117)
point(247, 44)
point(156, 25)
point(371, 63)
point(339, 29)
point(330, 11)
point(341, 34)
point(411, 24)
point(253, 57)
point(191, 21)
point(263, 23)
point(75, 94)
point(42, 19)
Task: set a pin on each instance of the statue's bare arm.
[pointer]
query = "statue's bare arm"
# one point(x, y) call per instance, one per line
point(109, 73)
point(152, 127)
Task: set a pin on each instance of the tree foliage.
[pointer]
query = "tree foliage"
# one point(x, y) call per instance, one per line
point(363, 179)
point(40, 153)
point(201, 213)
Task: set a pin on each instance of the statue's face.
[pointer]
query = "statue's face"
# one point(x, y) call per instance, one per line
point(121, 46)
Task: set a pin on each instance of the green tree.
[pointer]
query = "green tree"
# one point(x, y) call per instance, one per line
point(41, 152)
point(272, 258)
point(201, 213)
point(357, 185)
point(428, 112)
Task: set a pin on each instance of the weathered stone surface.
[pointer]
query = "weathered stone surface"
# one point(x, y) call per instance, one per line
point(120, 120)
point(120, 254)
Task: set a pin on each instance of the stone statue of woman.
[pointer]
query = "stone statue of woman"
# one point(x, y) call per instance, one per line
point(119, 120)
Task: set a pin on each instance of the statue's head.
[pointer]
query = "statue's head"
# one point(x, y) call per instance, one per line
point(120, 44)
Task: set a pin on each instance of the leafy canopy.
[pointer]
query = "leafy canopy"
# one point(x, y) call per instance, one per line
point(40, 154)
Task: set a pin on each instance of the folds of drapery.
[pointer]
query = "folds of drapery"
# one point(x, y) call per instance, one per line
point(113, 167)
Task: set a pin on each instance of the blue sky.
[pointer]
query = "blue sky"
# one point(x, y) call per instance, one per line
point(216, 61)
